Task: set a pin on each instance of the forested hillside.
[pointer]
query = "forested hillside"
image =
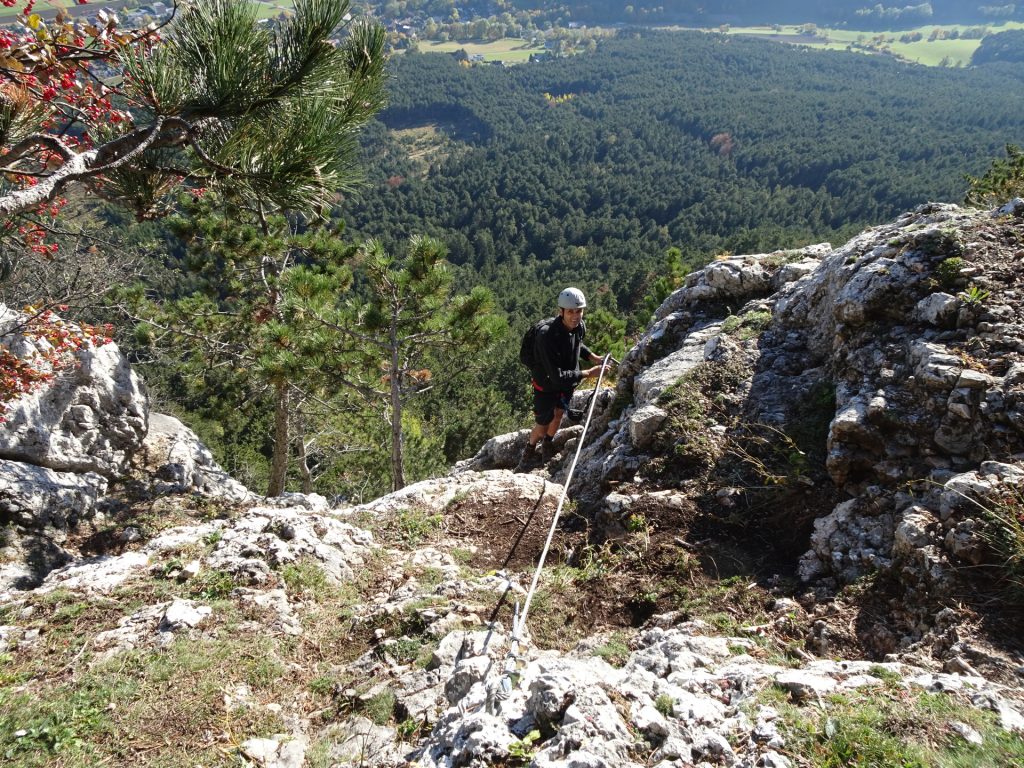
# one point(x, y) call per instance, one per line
point(1003, 47)
point(618, 172)
point(588, 169)
point(861, 14)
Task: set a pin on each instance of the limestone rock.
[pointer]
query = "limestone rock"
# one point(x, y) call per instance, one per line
point(938, 309)
point(912, 531)
point(486, 487)
point(669, 370)
point(285, 751)
point(180, 463)
point(266, 537)
point(91, 419)
point(500, 452)
point(743, 277)
point(183, 614)
point(644, 423)
point(39, 498)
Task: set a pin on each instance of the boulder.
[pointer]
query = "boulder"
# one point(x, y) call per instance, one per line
point(500, 452)
point(180, 463)
point(37, 498)
point(644, 423)
point(495, 486)
point(91, 418)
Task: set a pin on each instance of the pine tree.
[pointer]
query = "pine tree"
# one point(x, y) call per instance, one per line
point(406, 321)
point(272, 113)
point(267, 115)
point(1002, 181)
point(237, 317)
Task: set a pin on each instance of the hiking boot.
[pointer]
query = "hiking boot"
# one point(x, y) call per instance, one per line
point(547, 450)
point(530, 459)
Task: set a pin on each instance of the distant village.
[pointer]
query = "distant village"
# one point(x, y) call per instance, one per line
point(547, 38)
point(145, 14)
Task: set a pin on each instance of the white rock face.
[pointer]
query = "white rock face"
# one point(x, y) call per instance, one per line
point(686, 695)
point(41, 505)
point(182, 464)
point(246, 548)
point(36, 497)
point(491, 486)
point(670, 369)
point(743, 277)
point(267, 537)
point(91, 418)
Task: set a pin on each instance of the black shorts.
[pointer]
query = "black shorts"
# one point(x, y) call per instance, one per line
point(545, 404)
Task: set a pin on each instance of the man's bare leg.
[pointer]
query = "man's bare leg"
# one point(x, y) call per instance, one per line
point(553, 425)
point(538, 431)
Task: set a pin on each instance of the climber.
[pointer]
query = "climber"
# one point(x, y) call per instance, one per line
point(552, 349)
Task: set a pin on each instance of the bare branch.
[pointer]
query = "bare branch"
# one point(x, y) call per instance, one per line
point(43, 140)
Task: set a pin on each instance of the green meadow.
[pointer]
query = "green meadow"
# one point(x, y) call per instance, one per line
point(268, 9)
point(928, 52)
point(512, 49)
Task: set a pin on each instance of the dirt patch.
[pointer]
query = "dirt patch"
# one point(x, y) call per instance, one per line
point(668, 559)
point(130, 518)
point(509, 537)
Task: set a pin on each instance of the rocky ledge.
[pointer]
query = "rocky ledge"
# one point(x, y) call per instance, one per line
point(797, 502)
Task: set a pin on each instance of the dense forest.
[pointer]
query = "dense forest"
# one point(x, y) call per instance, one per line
point(853, 12)
point(589, 169)
point(1002, 47)
point(617, 172)
point(858, 14)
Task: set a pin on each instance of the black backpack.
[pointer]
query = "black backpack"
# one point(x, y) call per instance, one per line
point(527, 348)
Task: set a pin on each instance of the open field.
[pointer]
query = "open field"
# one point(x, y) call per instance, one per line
point(512, 49)
point(930, 53)
point(270, 8)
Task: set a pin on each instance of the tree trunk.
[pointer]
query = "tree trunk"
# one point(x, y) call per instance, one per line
point(304, 471)
point(279, 464)
point(397, 470)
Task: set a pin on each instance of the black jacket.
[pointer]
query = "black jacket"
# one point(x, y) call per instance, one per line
point(557, 351)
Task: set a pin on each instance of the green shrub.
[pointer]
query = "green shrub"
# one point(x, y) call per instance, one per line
point(615, 651)
point(212, 585)
point(521, 752)
point(306, 577)
point(892, 726)
point(322, 686)
point(948, 271)
point(414, 526)
point(1003, 181)
point(380, 708)
point(974, 296)
point(1003, 530)
point(665, 705)
point(747, 326)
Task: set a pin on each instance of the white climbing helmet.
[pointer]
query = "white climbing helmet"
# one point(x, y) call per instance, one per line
point(572, 298)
